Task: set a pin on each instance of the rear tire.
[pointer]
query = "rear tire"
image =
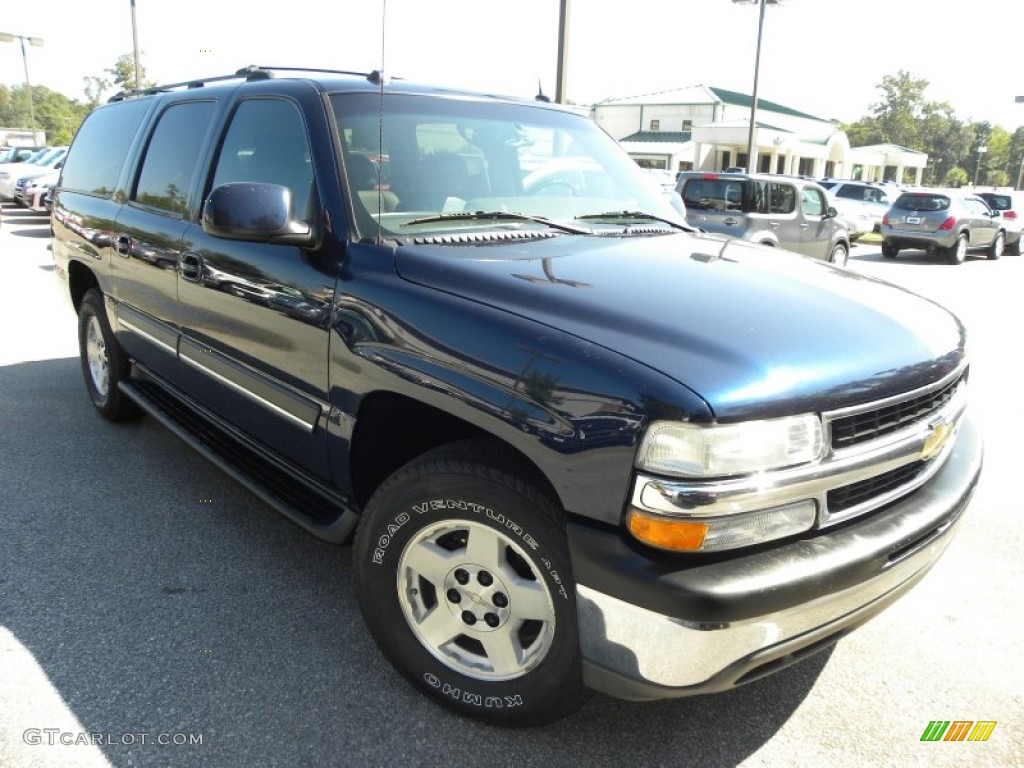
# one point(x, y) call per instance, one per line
point(463, 577)
point(104, 363)
point(889, 251)
point(957, 252)
point(996, 249)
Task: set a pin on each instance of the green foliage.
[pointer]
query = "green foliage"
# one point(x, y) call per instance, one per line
point(55, 113)
point(998, 178)
point(955, 177)
point(122, 74)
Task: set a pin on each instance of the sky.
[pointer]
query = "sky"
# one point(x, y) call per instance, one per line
point(823, 57)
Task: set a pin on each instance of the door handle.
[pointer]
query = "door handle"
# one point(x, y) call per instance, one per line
point(191, 266)
point(123, 246)
point(803, 226)
point(774, 225)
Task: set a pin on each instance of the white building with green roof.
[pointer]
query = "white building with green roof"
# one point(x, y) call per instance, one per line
point(707, 128)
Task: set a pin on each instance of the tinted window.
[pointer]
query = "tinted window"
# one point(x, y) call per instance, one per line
point(923, 202)
point(714, 194)
point(173, 155)
point(266, 142)
point(812, 202)
point(781, 198)
point(998, 202)
point(101, 145)
point(851, 192)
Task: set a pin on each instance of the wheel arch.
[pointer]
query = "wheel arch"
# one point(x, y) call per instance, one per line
point(393, 429)
point(80, 280)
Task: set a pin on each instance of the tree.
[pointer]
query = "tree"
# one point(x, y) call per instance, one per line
point(122, 74)
point(955, 177)
point(901, 109)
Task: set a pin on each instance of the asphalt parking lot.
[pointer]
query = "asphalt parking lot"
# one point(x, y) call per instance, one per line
point(148, 602)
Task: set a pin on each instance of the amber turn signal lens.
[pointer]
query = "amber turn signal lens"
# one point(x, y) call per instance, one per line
point(680, 535)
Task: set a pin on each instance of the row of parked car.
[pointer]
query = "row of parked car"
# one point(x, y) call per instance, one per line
point(28, 178)
point(822, 218)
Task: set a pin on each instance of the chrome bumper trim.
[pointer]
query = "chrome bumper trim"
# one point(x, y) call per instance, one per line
point(657, 650)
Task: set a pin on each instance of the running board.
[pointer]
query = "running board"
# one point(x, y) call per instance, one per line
point(321, 513)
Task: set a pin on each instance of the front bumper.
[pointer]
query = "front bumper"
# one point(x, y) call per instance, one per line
point(657, 626)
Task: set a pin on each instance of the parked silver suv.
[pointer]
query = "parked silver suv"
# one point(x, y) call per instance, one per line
point(780, 211)
point(950, 222)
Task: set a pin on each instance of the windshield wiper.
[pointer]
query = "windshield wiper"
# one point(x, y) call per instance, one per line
point(636, 215)
point(499, 216)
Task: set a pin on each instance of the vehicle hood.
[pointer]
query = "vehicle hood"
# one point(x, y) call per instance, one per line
point(756, 332)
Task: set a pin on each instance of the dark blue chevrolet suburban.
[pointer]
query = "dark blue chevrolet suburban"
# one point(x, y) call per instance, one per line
point(575, 442)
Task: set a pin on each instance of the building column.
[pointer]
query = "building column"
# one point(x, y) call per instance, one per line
point(918, 175)
point(899, 173)
point(775, 160)
point(697, 147)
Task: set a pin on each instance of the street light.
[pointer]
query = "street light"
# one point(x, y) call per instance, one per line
point(982, 149)
point(6, 37)
point(757, 70)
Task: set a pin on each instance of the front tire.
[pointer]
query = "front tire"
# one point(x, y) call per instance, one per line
point(463, 578)
point(995, 250)
point(104, 363)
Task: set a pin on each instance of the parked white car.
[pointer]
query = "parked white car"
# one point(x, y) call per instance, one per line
point(860, 203)
point(1010, 206)
point(39, 165)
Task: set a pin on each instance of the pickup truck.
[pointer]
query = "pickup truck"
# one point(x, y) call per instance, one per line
point(574, 442)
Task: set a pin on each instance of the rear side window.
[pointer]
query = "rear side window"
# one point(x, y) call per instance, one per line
point(781, 198)
point(94, 162)
point(998, 202)
point(917, 202)
point(172, 156)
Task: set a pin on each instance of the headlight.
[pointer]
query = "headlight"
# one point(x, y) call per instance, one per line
point(720, 450)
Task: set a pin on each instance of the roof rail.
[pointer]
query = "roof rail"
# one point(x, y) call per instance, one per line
point(250, 73)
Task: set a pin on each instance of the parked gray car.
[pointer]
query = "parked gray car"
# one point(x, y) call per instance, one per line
point(949, 222)
point(781, 211)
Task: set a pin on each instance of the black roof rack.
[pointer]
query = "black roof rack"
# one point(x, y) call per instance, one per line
point(250, 73)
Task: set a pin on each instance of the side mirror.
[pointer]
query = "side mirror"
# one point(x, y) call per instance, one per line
point(832, 212)
point(246, 210)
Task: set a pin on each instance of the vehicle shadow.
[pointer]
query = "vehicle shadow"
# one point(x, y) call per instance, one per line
point(159, 596)
point(35, 233)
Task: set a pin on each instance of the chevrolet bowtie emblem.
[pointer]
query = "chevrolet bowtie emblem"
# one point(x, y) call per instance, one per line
point(933, 443)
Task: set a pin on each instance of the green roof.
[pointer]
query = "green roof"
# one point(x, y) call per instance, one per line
point(650, 136)
point(743, 100)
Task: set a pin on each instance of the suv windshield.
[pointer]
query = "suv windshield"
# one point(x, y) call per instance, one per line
point(918, 202)
point(434, 157)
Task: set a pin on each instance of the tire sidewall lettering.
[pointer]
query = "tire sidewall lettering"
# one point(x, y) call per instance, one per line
point(498, 519)
point(470, 698)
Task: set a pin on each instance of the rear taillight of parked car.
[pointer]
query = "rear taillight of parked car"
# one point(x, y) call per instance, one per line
point(948, 223)
point(1009, 214)
point(885, 219)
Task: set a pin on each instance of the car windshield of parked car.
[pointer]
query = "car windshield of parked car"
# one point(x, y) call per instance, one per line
point(918, 202)
point(438, 165)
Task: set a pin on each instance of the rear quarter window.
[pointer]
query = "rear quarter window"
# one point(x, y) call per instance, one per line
point(94, 161)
